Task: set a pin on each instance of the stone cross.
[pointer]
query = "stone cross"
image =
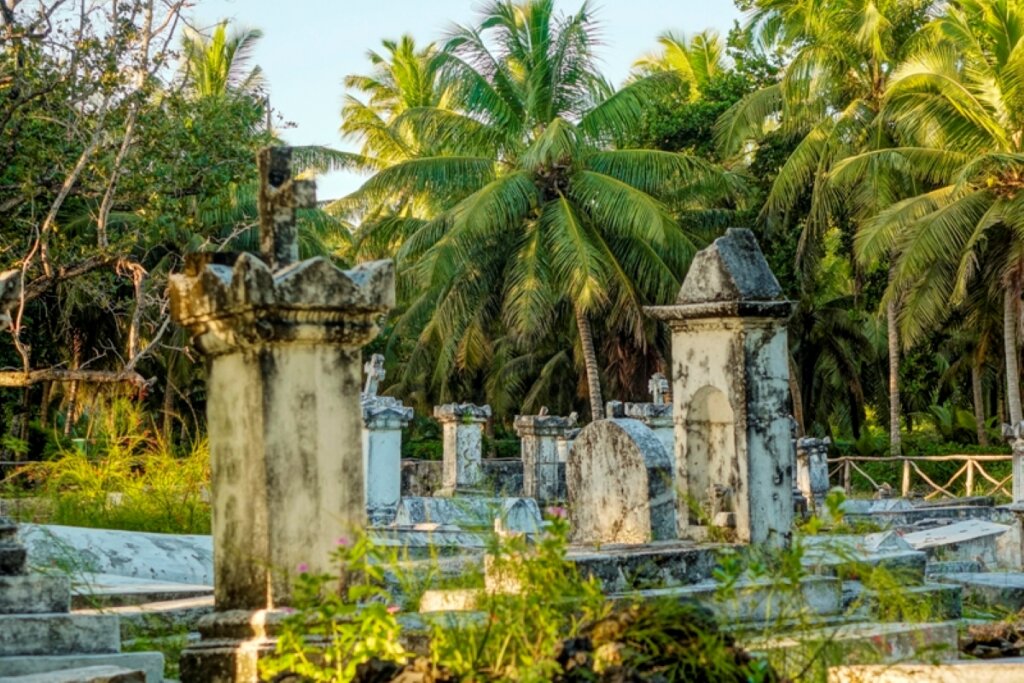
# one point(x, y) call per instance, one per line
point(375, 373)
point(280, 196)
point(658, 386)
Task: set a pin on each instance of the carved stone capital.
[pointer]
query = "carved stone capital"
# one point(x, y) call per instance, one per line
point(385, 412)
point(462, 412)
point(542, 425)
point(233, 302)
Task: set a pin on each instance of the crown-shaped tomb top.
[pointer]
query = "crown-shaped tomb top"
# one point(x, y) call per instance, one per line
point(209, 290)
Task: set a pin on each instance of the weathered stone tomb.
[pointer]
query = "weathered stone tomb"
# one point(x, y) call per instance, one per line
point(384, 417)
point(619, 480)
point(543, 477)
point(462, 433)
point(733, 454)
point(282, 341)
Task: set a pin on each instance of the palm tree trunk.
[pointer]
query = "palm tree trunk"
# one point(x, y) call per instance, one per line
point(894, 378)
point(590, 362)
point(1010, 308)
point(979, 402)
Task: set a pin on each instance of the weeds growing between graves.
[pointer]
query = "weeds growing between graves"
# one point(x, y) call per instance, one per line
point(537, 620)
point(126, 476)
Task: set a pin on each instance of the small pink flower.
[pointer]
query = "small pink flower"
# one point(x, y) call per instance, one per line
point(343, 542)
point(288, 610)
point(394, 609)
point(557, 511)
point(302, 568)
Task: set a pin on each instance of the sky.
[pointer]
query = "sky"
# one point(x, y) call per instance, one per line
point(310, 45)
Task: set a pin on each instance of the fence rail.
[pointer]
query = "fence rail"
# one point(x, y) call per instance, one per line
point(972, 471)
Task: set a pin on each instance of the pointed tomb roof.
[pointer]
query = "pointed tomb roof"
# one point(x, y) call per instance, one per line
point(729, 278)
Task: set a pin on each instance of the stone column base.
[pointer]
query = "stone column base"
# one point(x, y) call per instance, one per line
point(230, 647)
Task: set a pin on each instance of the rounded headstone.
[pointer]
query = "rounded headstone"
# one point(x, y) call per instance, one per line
point(620, 485)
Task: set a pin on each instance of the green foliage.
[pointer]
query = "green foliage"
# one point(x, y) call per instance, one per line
point(339, 623)
point(127, 477)
point(520, 631)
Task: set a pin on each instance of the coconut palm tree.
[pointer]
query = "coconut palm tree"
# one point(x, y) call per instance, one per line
point(697, 60)
point(219, 63)
point(380, 112)
point(829, 99)
point(956, 106)
point(539, 212)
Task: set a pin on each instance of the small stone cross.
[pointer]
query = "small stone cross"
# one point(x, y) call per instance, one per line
point(280, 196)
point(374, 375)
point(658, 386)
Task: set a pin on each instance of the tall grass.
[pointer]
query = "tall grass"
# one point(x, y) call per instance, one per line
point(126, 475)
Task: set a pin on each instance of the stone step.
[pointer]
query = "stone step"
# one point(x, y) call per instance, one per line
point(99, 590)
point(43, 634)
point(89, 674)
point(469, 513)
point(749, 602)
point(34, 594)
point(754, 601)
point(894, 641)
point(151, 663)
point(964, 671)
point(952, 567)
point(1004, 590)
point(933, 600)
point(661, 564)
point(832, 555)
point(157, 617)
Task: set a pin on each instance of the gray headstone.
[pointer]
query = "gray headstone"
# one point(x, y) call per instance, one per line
point(620, 486)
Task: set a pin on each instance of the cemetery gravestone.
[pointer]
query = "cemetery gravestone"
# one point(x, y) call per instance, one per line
point(539, 448)
point(619, 480)
point(384, 417)
point(282, 343)
point(462, 437)
point(812, 470)
point(730, 370)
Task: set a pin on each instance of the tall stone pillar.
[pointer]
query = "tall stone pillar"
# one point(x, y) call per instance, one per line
point(384, 418)
point(539, 447)
point(282, 343)
point(462, 436)
point(730, 372)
